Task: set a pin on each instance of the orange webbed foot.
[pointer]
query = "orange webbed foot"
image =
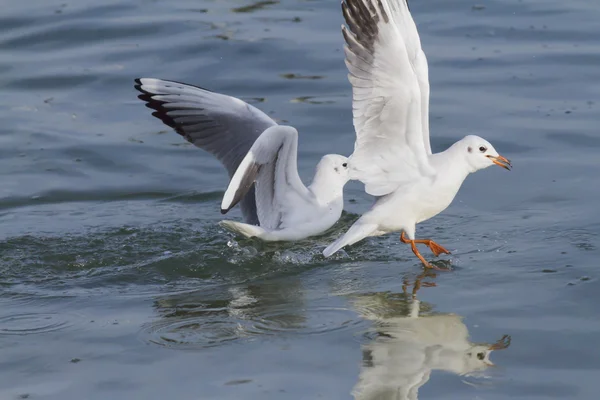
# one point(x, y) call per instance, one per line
point(433, 246)
point(436, 249)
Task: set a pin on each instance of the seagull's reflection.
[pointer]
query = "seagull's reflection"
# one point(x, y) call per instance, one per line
point(411, 343)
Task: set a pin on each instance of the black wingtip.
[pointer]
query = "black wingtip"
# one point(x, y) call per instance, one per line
point(362, 18)
point(224, 211)
point(157, 106)
point(159, 111)
point(138, 85)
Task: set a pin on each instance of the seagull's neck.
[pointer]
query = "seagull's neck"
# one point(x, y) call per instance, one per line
point(326, 188)
point(451, 166)
point(445, 359)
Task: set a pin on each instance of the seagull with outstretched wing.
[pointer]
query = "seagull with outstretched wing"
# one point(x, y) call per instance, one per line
point(260, 157)
point(392, 154)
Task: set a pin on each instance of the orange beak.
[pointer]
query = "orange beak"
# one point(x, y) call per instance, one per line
point(501, 161)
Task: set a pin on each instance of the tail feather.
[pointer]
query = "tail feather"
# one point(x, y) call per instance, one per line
point(357, 232)
point(243, 229)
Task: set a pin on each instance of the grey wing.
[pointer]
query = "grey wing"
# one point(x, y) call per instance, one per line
point(224, 126)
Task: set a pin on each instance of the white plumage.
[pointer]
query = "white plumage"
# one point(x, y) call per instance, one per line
point(392, 153)
point(287, 210)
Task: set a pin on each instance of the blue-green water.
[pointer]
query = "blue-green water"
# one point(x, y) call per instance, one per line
point(117, 283)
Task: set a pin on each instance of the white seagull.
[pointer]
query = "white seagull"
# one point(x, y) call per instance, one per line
point(392, 155)
point(261, 158)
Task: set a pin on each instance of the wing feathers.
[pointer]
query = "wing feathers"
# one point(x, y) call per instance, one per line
point(241, 183)
point(222, 125)
point(385, 67)
point(271, 164)
point(212, 121)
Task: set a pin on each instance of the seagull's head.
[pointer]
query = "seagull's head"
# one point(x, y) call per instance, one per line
point(476, 358)
point(480, 154)
point(467, 361)
point(336, 167)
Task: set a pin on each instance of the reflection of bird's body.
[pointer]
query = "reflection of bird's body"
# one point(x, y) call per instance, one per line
point(260, 157)
point(400, 360)
point(392, 154)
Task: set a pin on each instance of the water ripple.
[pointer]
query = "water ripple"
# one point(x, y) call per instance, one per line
point(33, 323)
point(208, 327)
point(219, 315)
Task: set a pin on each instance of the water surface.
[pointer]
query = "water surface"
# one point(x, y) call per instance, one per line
point(116, 281)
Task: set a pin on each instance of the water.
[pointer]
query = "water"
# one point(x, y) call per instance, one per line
point(116, 281)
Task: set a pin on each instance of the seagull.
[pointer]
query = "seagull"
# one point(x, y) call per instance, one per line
point(392, 155)
point(260, 157)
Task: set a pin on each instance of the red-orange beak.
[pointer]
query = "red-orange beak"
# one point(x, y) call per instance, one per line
point(501, 161)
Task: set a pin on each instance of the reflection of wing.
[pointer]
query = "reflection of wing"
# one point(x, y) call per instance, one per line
point(222, 125)
point(388, 72)
point(272, 164)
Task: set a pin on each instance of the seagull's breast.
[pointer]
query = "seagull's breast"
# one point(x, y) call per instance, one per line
point(434, 200)
point(436, 195)
point(418, 200)
point(313, 217)
point(415, 203)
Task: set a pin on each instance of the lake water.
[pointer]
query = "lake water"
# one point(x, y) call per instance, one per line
point(117, 283)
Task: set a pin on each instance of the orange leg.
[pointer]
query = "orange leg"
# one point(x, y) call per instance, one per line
point(417, 283)
point(433, 246)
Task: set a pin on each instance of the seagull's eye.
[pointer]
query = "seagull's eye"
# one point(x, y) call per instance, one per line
point(344, 165)
point(480, 356)
point(483, 149)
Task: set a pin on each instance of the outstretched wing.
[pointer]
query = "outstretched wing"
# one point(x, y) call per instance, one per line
point(271, 164)
point(222, 125)
point(388, 72)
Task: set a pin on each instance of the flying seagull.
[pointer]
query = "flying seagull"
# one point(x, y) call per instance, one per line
point(392, 154)
point(260, 157)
